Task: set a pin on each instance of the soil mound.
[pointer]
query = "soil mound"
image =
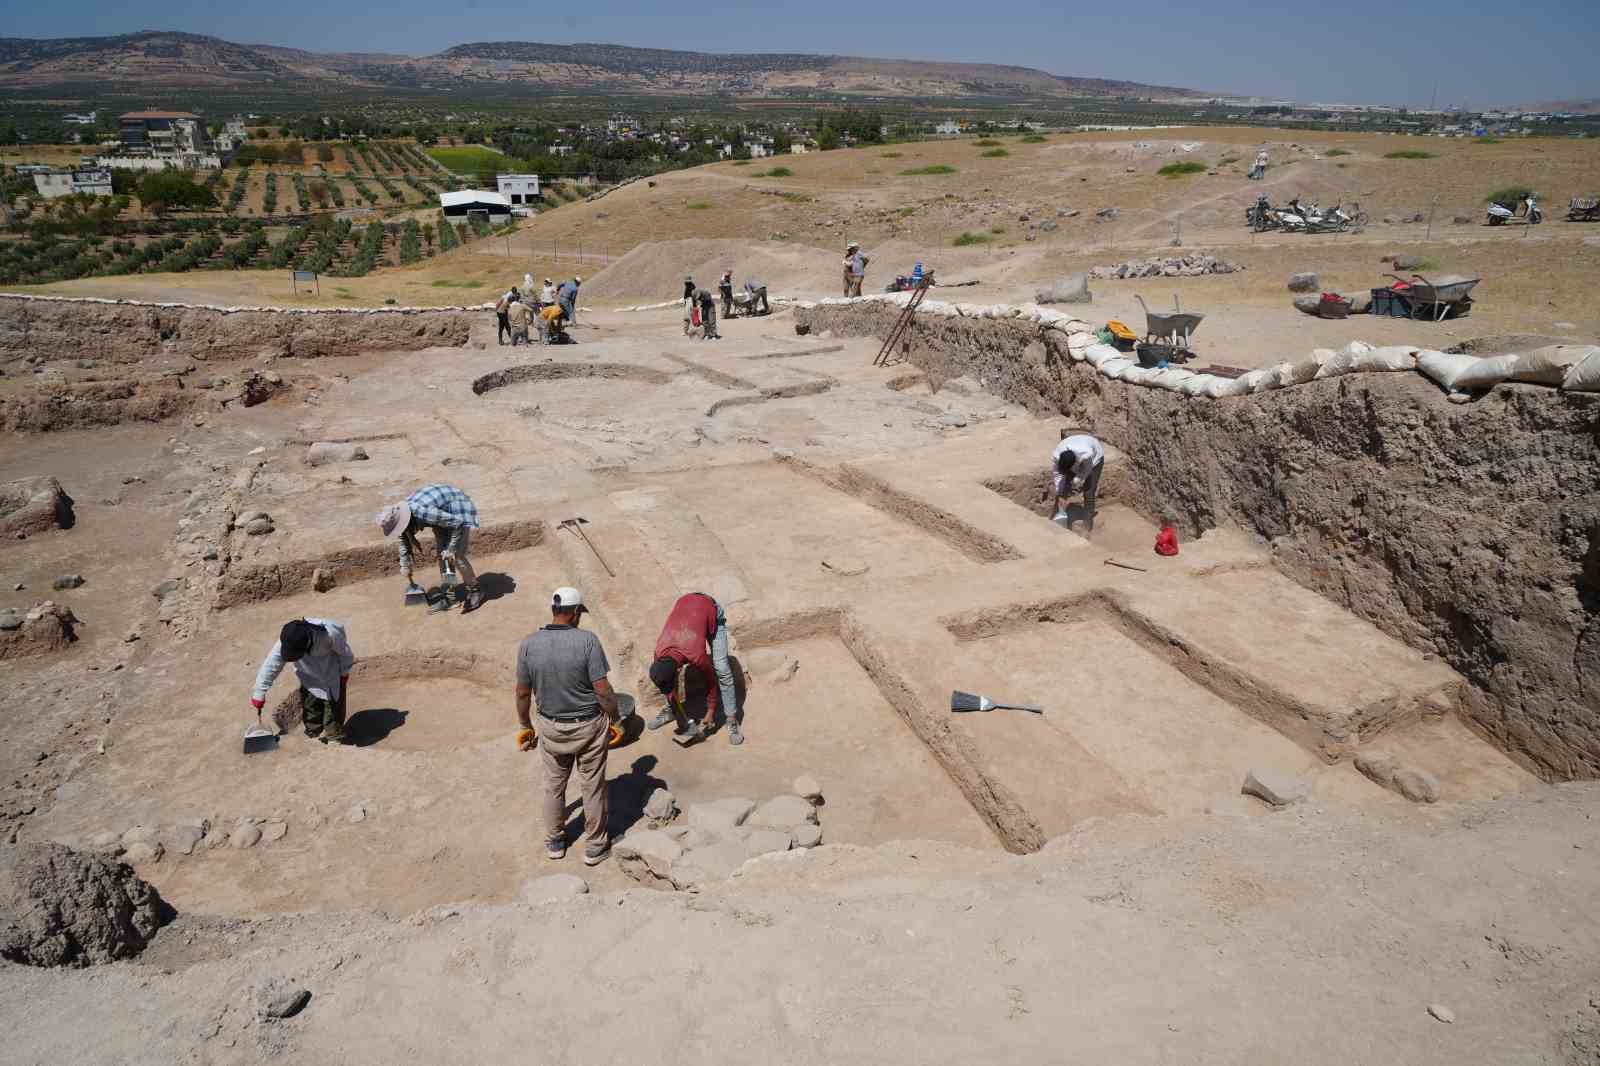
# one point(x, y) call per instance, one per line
point(60, 907)
point(654, 271)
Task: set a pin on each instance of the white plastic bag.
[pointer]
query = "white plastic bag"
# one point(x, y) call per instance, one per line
point(1392, 358)
point(1444, 367)
point(1486, 373)
point(1549, 365)
point(1584, 376)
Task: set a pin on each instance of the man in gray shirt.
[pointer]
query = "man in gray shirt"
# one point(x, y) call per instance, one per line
point(565, 668)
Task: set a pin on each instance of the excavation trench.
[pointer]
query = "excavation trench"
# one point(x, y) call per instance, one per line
point(1469, 531)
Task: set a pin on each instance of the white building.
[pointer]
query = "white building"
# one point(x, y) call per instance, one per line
point(468, 202)
point(87, 118)
point(54, 184)
point(948, 128)
point(760, 151)
point(798, 149)
point(519, 188)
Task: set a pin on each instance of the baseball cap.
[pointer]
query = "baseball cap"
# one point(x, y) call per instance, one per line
point(565, 599)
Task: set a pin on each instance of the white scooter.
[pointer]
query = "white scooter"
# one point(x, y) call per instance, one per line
point(1528, 209)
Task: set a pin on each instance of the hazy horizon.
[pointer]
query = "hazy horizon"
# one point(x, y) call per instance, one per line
point(1475, 58)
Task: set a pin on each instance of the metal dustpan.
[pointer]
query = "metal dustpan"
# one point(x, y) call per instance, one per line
point(416, 595)
point(966, 701)
point(258, 738)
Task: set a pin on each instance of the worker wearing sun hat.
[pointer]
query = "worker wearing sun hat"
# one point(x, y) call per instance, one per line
point(855, 269)
point(452, 516)
point(564, 669)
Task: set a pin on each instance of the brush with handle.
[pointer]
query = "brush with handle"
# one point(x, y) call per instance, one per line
point(966, 701)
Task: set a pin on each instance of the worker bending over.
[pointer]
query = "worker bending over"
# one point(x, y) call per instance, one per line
point(452, 516)
point(322, 660)
point(1076, 464)
point(697, 622)
point(567, 297)
point(757, 295)
point(564, 668)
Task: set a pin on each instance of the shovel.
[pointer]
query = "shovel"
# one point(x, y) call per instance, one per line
point(258, 738)
point(966, 701)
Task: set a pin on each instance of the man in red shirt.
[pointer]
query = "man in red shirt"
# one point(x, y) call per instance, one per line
point(696, 623)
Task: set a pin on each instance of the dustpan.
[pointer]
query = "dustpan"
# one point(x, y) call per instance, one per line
point(258, 738)
point(416, 595)
point(967, 701)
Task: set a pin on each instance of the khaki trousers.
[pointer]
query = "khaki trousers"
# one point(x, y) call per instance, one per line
point(564, 746)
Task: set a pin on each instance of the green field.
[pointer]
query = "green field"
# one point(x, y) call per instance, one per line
point(469, 159)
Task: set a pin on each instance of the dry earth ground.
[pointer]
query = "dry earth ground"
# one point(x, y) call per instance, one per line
point(1164, 918)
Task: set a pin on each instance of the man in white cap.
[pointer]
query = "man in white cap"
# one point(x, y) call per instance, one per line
point(452, 516)
point(1076, 465)
point(855, 269)
point(547, 295)
point(564, 668)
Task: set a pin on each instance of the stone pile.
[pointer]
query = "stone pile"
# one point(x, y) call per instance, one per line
point(44, 628)
point(712, 841)
point(60, 907)
point(1167, 266)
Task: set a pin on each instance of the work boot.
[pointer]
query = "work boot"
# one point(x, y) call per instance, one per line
point(474, 600)
point(665, 718)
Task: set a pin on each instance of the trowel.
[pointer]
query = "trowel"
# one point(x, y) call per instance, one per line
point(258, 738)
point(966, 701)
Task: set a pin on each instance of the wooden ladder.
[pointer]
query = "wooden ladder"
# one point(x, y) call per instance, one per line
point(901, 330)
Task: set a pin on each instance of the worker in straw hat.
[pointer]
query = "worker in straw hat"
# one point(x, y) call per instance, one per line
point(855, 269)
point(564, 669)
point(452, 516)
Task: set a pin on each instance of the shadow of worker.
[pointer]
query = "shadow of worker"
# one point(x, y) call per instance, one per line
point(372, 725)
point(625, 798)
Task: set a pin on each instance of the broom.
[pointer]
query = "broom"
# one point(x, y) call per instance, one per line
point(966, 701)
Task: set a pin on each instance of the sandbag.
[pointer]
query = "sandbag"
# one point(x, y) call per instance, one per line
point(1337, 365)
point(1584, 376)
point(1355, 348)
point(1113, 368)
point(1444, 367)
point(1098, 352)
point(1257, 380)
point(1298, 373)
point(1194, 385)
point(1137, 375)
point(1170, 378)
point(1488, 372)
point(1217, 387)
point(1549, 365)
point(1392, 357)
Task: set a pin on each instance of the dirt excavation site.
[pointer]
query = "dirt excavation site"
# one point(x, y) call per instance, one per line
point(1319, 788)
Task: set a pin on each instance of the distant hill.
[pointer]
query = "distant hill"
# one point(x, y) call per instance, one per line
point(184, 59)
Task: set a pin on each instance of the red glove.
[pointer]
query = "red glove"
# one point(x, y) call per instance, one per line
point(258, 704)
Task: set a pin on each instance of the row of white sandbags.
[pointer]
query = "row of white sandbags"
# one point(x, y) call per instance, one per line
point(1571, 367)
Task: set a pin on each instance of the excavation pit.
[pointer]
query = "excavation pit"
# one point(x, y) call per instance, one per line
point(830, 720)
point(1118, 527)
point(425, 714)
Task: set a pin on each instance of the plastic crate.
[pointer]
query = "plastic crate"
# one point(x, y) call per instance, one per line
point(1391, 304)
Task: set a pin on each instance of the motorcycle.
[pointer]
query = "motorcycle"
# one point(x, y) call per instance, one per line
point(1332, 220)
point(1528, 209)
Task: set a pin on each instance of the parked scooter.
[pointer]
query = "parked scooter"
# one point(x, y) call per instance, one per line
point(1332, 220)
point(1528, 209)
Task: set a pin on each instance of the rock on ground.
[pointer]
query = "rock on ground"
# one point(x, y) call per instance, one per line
point(714, 862)
point(783, 812)
point(33, 505)
point(554, 887)
point(1278, 789)
point(39, 630)
point(808, 788)
point(60, 907)
point(762, 841)
point(661, 806)
point(277, 1004)
point(245, 836)
point(719, 816)
point(1069, 290)
point(1306, 282)
point(806, 836)
point(323, 452)
point(1384, 769)
point(67, 581)
point(648, 856)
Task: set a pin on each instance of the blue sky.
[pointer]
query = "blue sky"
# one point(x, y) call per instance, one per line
point(1469, 51)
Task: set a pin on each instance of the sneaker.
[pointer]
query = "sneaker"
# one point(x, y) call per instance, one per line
point(595, 858)
point(735, 734)
point(473, 601)
point(555, 849)
point(665, 718)
point(440, 605)
point(685, 737)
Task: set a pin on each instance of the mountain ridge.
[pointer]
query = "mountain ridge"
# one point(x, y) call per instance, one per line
point(177, 59)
